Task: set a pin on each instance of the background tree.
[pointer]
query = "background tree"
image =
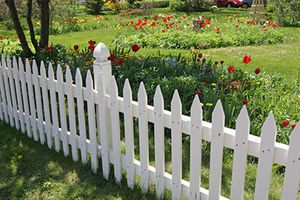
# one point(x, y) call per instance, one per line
point(44, 21)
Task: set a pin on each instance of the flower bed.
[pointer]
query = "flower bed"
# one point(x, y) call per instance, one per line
point(211, 80)
point(183, 32)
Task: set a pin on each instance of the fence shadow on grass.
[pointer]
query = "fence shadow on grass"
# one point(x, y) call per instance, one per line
point(31, 171)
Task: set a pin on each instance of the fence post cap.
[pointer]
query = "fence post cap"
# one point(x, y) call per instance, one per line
point(101, 52)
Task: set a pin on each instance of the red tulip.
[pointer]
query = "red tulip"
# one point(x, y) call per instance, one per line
point(91, 47)
point(257, 71)
point(230, 69)
point(112, 57)
point(135, 47)
point(285, 123)
point(247, 59)
point(293, 126)
point(244, 102)
point(121, 61)
point(198, 92)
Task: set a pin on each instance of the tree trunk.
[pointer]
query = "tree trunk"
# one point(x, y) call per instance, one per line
point(45, 22)
point(14, 16)
point(30, 25)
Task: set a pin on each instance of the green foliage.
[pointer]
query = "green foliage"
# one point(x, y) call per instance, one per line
point(287, 12)
point(9, 46)
point(94, 6)
point(189, 6)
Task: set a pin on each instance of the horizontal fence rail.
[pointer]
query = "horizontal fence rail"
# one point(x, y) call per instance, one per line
point(56, 110)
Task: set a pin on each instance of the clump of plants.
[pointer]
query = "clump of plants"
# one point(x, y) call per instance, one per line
point(183, 32)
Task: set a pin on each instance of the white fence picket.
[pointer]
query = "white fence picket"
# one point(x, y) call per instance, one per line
point(216, 152)
point(195, 149)
point(53, 106)
point(103, 129)
point(62, 111)
point(91, 121)
point(46, 108)
point(13, 93)
point(265, 162)
point(129, 136)
point(81, 117)
point(7, 92)
point(31, 101)
point(143, 136)
point(176, 134)
point(240, 155)
point(292, 170)
point(18, 92)
point(115, 130)
point(71, 112)
point(1, 108)
point(3, 95)
point(159, 139)
point(25, 98)
point(39, 107)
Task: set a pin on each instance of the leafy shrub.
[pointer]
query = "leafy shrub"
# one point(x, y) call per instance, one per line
point(9, 46)
point(189, 6)
point(287, 12)
point(94, 6)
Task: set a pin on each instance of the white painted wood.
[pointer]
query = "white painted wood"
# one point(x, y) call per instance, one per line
point(2, 89)
point(31, 101)
point(18, 92)
point(265, 162)
point(71, 113)
point(62, 111)
point(116, 130)
point(292, 170)
point(129, 135)
point(53, 106)
point(195, 149)
point(37, 90)
point(46, 108)
point(240, 155)
point(159, 139)
point(13, 93)
point(143, 136)
point(25, 98)
point(176, 135)
point(104, 138)
point(7, 92)
point(81, 117)
point(216, 152)
point(92, 122)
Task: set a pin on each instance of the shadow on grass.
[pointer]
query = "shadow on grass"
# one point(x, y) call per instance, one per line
point(30, 170)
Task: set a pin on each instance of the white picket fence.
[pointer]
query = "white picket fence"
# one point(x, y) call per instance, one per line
point(29, 103)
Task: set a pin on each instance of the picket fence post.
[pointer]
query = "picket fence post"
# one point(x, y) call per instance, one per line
point(102, 82)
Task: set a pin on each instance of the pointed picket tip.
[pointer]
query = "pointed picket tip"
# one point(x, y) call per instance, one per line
point(43, 69)
point(295, 135)
point(15, 63)
point(20, 61)
point(269, 125)
point(142, 91)
point(59, 74)
point(218, 110)
point(8, 62)
point(114, 87)
point(78, 77)
point(89, 80)
point(127, 88)
point(196, 105)
point(176, 101)
point(27, 66)
point(243, 116)
point(50, 71)
point(68, 75)
point(35, 68)
point(3, 60)
point(158, 93)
